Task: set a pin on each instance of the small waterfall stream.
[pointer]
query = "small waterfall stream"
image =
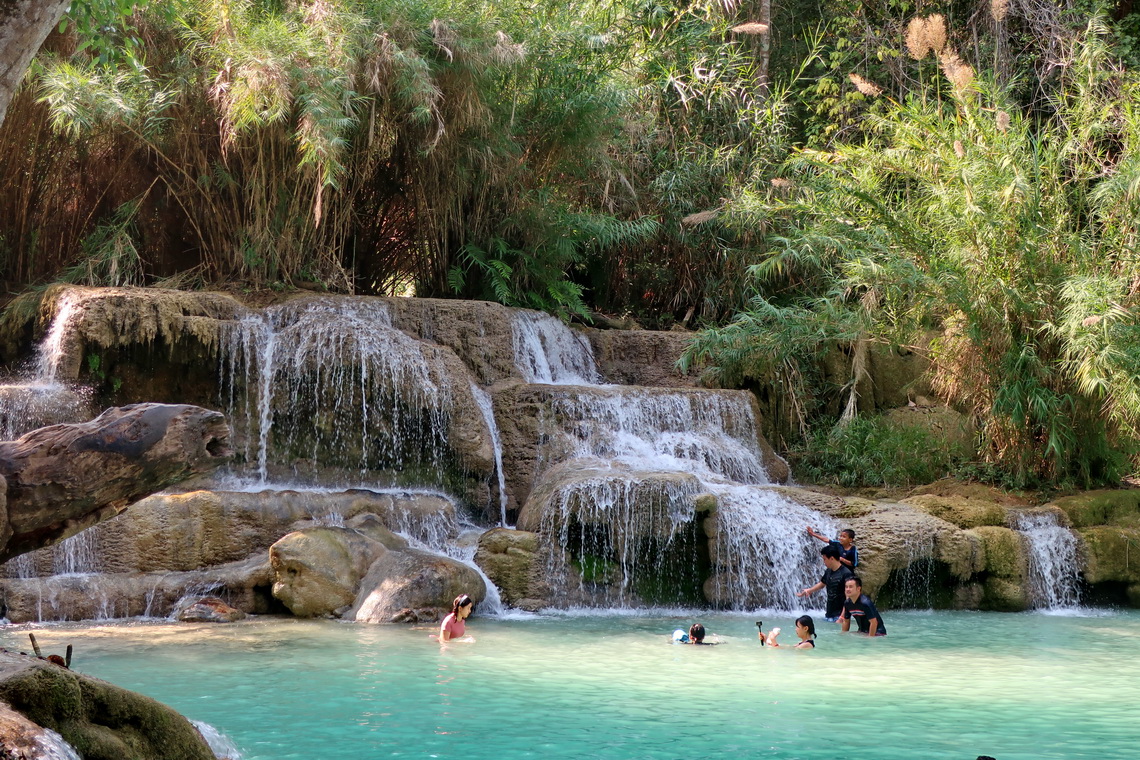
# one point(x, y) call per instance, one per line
point(316, 382)
point(1054, 562)
point(548, 352)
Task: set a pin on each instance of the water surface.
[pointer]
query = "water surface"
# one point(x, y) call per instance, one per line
point(942, 685)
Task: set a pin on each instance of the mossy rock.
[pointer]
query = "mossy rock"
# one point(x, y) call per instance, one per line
point(1111, 554)
point(961, 511)
point(508, 558)
point(1003, 595)
point(1105, 507)
point(1003, 551)
point(99, 719)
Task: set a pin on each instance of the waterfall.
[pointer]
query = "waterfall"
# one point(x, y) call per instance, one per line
point(52, 349)
point(764, 549)
point(763, 554)
point(549, 352)
point(708, 433)
point(41, 399)
point(1054, 562)
point(52, 746)
point(483, 399)
point(220, 744)
point(330, 384)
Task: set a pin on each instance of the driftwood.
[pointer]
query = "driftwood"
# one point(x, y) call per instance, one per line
point(62, 479)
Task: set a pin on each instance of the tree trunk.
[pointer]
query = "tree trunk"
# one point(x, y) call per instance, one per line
point(62, 479)
point(24, 24)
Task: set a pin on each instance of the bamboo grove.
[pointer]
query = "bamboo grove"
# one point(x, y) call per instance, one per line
point(789, 176)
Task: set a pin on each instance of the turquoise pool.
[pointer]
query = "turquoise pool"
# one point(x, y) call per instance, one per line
point(942, 685)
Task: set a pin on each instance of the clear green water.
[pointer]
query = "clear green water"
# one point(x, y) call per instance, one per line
point(942, 685)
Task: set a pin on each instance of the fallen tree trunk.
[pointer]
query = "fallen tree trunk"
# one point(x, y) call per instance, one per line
point(61, 479)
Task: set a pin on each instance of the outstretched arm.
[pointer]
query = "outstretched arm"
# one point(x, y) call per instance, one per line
point(816, 534)
point(810, 590)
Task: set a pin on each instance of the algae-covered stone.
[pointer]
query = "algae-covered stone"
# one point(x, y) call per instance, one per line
point(1003, 551)
point(961, 511)
point(1003, 595)
point(100, 720)
point(1105, 507)
point(1111, 554)
point(508, 557)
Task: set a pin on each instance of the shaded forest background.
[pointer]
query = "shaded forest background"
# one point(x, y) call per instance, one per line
point(787, 177)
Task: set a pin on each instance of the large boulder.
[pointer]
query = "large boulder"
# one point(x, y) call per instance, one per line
point(316, 571)
point(413, 586)
point(100, 720)
point(65, 478)
point(511, 559)
point(479, 332)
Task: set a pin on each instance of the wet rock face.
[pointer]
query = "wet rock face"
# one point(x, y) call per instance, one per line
point(412, 586)
point(510, 560)
point(100, 720)
point(642, 357)
point(64, 478)
point(206, 609)
point(316, 571)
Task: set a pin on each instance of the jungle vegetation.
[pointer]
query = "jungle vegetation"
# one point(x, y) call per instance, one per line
point(789, 177)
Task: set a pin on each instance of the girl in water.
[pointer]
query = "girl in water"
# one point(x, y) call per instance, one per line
point(453, 628)
point(805, 630)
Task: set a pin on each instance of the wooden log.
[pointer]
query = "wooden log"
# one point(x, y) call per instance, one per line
point(61, 479)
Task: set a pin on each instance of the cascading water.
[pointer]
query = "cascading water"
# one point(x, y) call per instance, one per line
point(762, 554)
point(1054, 562)
point(483, 399)
point(316, 383)
point(42, 399)
point(549, 352)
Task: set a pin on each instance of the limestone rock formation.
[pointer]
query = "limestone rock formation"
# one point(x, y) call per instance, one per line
point(196, 529)
point(642, 357)
point(64, 478)
point(206, 609)
point(100, 720)
point(542, 425)
point(413, 586)
point(1103, 507)
point(244, 585)
point(962, 511)
point(1005, 566)
point(509, 558)
point(479, 332)
point(316, 571)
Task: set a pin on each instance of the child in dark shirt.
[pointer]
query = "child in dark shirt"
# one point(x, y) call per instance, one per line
point(848, 554)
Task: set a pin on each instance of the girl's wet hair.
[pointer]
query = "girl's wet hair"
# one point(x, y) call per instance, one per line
point(697, 632)
point(807, 622)
point(461, 601)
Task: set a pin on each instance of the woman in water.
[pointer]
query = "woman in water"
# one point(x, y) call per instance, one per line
point(453, 628)
point(805, 630)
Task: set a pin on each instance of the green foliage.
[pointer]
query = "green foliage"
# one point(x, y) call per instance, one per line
point(870, 451)
point(110, 256)
point(1010, 234)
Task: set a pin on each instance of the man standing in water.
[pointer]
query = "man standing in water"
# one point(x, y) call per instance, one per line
point(833, 579)
point(859, 606)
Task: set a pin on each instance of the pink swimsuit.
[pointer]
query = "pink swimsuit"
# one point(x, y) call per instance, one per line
point(453, 625)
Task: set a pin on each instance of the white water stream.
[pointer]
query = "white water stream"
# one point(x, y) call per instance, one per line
point(1054, 566)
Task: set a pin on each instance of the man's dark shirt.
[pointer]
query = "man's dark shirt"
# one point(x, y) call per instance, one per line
point(863, 612)
point(833, 581)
